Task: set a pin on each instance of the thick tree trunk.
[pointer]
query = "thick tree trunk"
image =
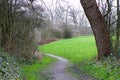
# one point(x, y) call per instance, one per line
point(99, 27)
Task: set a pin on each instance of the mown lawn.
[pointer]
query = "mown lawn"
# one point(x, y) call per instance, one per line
point(82, 52)
point(32, 72)
point(76, 49)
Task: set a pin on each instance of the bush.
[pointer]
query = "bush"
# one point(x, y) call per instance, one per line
point(67, 33)
point(57, 33)
point(51, 33)
point(27, 59)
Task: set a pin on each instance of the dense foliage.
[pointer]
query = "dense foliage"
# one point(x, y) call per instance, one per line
point(67, 33)
point(17, 24)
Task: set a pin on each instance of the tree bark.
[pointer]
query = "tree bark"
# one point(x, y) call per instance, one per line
point(99, 27)
point(117, 44)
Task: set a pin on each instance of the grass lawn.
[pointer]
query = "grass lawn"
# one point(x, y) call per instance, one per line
point(32, 72)
point(81, 51)
point(76, 49)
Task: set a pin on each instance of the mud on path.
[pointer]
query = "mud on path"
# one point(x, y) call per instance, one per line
point(58, 71)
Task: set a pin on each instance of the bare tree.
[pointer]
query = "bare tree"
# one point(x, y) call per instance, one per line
point(73, 13)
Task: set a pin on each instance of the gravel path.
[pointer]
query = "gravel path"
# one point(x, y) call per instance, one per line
point(58, 71)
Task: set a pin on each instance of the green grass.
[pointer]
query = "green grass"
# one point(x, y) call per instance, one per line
point(76, 49)
point(32, 72)
point(82, 52)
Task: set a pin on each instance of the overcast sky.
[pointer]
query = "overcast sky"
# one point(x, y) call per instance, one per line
point(73, 2)
point(52, 3)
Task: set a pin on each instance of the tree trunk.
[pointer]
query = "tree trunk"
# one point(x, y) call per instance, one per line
point(99, 27)
point(117, 31)
point(6, 22)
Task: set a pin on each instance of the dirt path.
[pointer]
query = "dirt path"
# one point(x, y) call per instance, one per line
point(58, 71)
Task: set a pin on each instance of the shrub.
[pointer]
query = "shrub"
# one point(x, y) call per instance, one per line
point(67, 33)
point(51, 33)
point(57, 33)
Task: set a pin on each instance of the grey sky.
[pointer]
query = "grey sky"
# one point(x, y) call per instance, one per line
point(74, 3)
point(52, 3)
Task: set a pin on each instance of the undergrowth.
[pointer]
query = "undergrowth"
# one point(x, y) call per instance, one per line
point(12, 69)
point(106, 69)
point(9, 69)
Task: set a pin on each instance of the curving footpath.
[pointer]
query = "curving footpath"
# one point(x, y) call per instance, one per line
point(58, 70)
